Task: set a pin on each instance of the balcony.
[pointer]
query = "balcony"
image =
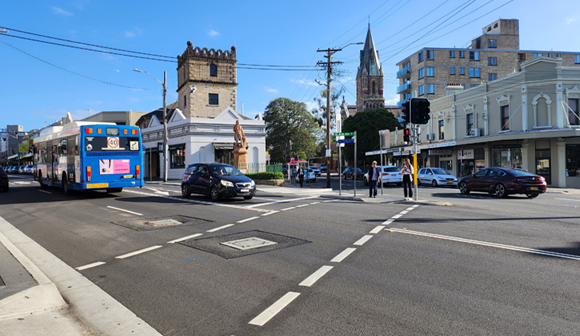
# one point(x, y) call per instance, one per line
point(404, 71)
point(400, 104)
point(404, 87)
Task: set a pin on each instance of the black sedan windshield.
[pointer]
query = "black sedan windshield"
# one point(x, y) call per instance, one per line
point(225, 170)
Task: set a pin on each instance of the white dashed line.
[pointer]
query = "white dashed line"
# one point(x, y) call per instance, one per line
point(342, 255)
point(290, 208)
point(363, 240)
point(46, 192)
point(184, 238)
point(389, 221)
point(315, 276)
point(270, 213)
point(302, 205)
point(138, 252)
point(131, 212)
point(409, 209)
point(377, 229)
point(403, 212)
point(396, 216)
point(95, 264)
point(274, 309)
point(482, 243)
point(247, 219)
point(220, 228)
point(315, 203)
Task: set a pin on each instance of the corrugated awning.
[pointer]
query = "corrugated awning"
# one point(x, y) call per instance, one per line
point(220, 145)
point(12, 156)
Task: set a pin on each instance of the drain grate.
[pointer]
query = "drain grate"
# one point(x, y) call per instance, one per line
point(255, 241)
point(155, 223)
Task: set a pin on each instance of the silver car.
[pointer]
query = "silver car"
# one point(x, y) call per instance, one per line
point(436, 177)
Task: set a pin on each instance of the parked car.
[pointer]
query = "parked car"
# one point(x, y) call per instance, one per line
point(11, 169)
point(311, 175)
point(216, 180)
point(3, 180)
point(322, 168)
point(436, 177)
point(28, 169)
point(21, 169)
point(503, 182)
point(390, 174)
point(348, 173)
point(316, 170)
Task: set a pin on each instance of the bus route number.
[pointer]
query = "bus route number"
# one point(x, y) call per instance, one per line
point(113, 142)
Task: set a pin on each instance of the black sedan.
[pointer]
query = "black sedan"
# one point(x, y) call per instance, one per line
point(3, 180)
point(349, 174)
point(216, 180)
point(503, 182)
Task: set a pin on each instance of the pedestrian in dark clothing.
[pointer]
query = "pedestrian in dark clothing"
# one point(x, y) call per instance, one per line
point(301, 175)
point(373, 176)
point(407, 172)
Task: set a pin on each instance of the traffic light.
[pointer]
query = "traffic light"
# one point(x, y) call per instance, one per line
point(405, 112)
point(420, 111)
point(406, 137)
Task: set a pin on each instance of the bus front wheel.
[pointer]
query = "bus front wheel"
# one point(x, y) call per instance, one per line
point(42, 185)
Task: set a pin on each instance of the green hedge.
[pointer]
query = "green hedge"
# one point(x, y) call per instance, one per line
point(265, 176)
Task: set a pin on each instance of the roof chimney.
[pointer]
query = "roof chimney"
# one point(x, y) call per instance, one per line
point(453, 88)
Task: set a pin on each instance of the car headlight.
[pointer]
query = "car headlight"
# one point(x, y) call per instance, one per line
point(252, 183)
point(227, 183)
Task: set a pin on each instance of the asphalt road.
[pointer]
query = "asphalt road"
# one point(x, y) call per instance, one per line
point(480, 266)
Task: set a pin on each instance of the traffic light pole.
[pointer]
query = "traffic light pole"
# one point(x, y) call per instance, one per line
point(415, 187)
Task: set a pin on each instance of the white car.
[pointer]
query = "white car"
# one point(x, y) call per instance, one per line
point(390, 175)
point(315, 170)
point(436, 177)
point(311, 176)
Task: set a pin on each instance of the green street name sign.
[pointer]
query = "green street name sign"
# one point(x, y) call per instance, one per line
point(344, 134)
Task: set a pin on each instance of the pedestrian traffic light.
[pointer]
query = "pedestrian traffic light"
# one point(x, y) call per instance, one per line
point(405, 112)
point(420, 111)
point(406, 137)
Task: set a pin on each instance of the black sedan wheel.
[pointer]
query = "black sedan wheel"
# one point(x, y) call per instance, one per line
point(463, 188)
point(500, 190)
point(185, 191)
point(215, 194)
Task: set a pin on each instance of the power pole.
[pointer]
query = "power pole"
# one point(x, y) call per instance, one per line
point(328, 64)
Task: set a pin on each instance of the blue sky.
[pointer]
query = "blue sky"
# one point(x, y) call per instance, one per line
point(40, 82)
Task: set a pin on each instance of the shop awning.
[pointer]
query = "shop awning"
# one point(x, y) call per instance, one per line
point(26, 156)
point(12, 156)
point(220, 145)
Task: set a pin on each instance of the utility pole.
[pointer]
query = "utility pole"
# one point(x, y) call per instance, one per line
point(329, 52)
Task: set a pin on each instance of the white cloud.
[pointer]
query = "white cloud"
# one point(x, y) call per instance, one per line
point(571, 20)
point(213, 33)
point(311, 105)
point(393, 101)
point(271, 90)
point(59, 11)
point(135, 32)
point(304, 82)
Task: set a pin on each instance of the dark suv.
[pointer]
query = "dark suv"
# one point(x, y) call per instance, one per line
point(216, 180)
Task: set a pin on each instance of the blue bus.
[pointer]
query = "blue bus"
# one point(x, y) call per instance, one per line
point(89, 156)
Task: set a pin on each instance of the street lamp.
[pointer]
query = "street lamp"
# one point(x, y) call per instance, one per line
point(328, 63)
point(4, 31)
point(165, 149)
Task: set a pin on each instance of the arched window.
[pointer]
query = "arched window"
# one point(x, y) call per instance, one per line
point(213, 70)
point(374, 89)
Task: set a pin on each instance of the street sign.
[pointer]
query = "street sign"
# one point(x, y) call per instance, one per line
point(23, 148)
point(385, 138)
point(344, 134)
point(346, 141)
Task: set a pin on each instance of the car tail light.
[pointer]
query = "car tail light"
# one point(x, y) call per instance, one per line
point(88, 173)
point(89, 130)
point(134, 131)
point(138, 172)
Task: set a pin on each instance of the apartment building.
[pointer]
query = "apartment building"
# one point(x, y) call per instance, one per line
point(491, 56)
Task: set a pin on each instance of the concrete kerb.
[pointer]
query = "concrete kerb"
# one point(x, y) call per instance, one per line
point(93, 306)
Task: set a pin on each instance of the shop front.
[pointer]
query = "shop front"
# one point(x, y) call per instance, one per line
point(442, 158)
point(507, 156)
point(224, 153)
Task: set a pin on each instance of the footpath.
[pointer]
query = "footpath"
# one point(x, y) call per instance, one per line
point(40, 295)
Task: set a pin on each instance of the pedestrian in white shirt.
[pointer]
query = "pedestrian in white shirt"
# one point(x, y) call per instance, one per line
point(407, 171)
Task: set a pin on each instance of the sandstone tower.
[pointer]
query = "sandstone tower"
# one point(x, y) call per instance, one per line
point(369, 78)
point(206, 83)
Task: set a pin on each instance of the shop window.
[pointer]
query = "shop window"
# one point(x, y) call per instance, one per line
point(573, 160)
point(177, 156)
point(510, 157)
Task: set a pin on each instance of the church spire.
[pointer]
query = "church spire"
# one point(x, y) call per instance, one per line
point(369, 58)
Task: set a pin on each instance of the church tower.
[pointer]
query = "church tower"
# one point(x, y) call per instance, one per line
point(206, 81)
point(369, 78)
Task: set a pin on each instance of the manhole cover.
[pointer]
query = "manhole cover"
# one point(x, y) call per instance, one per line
point(243, 243)
point(249, 243)
point(155, 223)
point(163, 222)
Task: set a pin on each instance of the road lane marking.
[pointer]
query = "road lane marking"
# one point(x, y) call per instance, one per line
point(270, 213)
point(302, 205)
point(46, 192)
point(138, 252)
point(315, 203)
point(315, 276)
point(342, 255)
point(220, 228)
point(184, 238)
point(192, 201)
point(396, 216)
point(280, 201)
point(290, 208)
point(377, 229)
point(274, 309)
point(131, 212)
point(568, 199)
point(247, 219)
point(482, 243)
point(403, 212)
point(389, 221)
point(363, 240)
point(95, 264)
point(410, 208)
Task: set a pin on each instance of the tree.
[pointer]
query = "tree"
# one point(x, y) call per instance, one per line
point(320, 113)
point(367, 124)
point(290, 130)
